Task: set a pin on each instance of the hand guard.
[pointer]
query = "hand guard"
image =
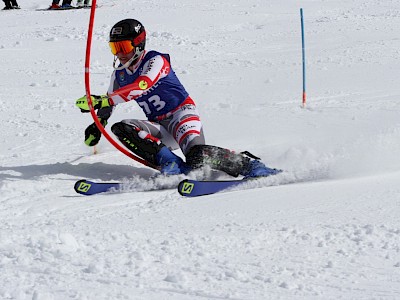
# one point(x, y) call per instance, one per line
point(97, 101)
point(93, 134)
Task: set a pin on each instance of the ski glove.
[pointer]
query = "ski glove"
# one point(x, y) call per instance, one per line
point(97, 101)
point(93, 134)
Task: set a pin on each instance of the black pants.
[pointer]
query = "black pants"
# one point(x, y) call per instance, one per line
point(10, 3)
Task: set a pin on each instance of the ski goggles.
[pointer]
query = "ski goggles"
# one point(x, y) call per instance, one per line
point(121, 46)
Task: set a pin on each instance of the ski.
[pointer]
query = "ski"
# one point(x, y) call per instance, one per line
point(65, 8)
point(195, 188)
point(87, 187)
point(56, 9)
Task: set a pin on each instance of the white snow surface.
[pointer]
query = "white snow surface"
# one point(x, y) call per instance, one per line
point(327, 228)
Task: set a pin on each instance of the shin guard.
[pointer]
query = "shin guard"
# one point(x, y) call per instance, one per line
point(138, 141)
point(217, 158)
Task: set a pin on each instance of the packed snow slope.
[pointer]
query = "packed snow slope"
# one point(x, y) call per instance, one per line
point(327, 228)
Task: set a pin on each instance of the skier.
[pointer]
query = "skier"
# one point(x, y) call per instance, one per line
point(10, 4)
point(172, 117)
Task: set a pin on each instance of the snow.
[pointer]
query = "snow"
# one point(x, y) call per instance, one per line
point(328, 228)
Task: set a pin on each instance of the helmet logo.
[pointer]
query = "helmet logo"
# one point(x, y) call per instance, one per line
point(116, 30)
point(137, 27)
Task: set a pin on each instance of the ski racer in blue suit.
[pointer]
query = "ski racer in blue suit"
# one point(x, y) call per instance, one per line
point(173, 121)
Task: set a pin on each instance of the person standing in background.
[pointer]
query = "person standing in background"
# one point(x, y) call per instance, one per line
point(10, 4)
point(66, 4)
point(84, 3)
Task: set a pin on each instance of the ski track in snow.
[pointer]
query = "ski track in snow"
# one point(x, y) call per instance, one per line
point(326, 228)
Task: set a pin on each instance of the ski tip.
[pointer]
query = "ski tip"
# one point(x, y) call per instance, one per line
point(82, 186)
point(185, 187)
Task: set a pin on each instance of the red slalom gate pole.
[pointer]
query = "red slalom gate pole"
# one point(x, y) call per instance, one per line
point(88, 94)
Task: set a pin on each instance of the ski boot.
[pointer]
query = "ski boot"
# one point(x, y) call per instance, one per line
point(54, 6)
point(256, 168)
point(170, 163)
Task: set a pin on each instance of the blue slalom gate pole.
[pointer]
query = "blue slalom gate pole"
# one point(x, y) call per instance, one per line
point(303, 56)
